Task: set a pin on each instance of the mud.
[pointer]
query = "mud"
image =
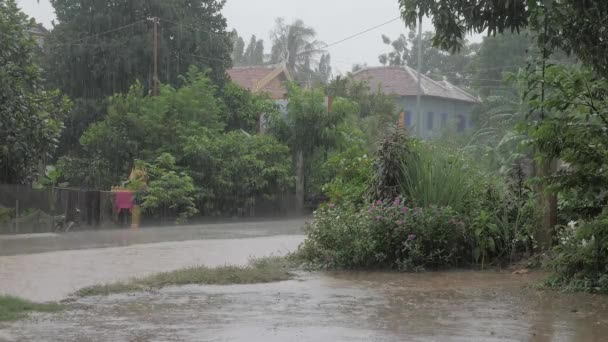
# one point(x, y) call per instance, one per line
point(450, 306)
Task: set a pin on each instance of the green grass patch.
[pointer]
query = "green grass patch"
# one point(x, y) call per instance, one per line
point(13, 308)
point(264, 270)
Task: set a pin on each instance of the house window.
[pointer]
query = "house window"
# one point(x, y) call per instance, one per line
point(430, 118)
point(444, 120)
point(462, 123)
point(408, 118)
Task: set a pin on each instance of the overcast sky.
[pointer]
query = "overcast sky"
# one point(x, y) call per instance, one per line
point(333, 20)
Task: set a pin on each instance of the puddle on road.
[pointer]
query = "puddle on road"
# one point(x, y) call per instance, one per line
point(445, 306)
point(53, 276)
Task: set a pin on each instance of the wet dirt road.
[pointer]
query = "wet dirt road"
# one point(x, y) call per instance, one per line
point(451, 306)
point(442, 306)
point(39, 243)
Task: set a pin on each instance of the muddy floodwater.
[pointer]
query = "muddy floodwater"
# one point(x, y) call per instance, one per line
point(344, 306)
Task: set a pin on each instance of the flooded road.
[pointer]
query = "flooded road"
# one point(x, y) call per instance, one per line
point(447, 306)
point(346, 306)
point(53, 276)
point(39, 243)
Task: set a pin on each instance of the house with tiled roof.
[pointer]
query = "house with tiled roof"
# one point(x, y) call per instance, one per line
point(270, 79)
point(443, 105)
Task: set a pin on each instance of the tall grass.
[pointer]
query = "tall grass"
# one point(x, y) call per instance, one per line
point(435, 176)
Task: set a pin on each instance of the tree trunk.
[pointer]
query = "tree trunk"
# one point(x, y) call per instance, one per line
point(300, 182)
point(548, 203)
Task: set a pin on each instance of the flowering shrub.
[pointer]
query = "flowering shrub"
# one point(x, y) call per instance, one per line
point(385, 234)
point(581, 258)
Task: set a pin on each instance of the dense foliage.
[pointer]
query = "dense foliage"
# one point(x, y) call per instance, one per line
point(30, 116)
point(191, 33)
point(430, 208)
point(169, 192)
point(563, 124)
point(385, 234)
point(228, 170)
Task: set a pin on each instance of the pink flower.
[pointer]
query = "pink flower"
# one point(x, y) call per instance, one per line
point(411, 237)
point(400, 222)
point(404, 210)
point(379, 202)
point(331, 205)
point(396, 202)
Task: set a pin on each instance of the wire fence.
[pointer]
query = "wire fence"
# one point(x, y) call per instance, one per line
point(25, 210)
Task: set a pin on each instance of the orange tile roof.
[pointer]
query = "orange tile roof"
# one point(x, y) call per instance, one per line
point(258, 79)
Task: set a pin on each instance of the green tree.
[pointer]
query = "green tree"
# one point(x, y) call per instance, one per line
point(308, 127)
point(233, 170)
point(87, 61)
point(568, 25)
point(295, 45)
point(495, 56)
point(376, 111)
point(254, 54)
point(169, 191)
point(30, 116)
point(324, 69)
point(243, 109)
point(238, 48)
point(96, 50)
point(138, 126)
point(436, 63)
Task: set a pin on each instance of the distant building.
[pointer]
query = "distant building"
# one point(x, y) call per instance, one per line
point(39, 32)
point(442, 104)
point(270, 79)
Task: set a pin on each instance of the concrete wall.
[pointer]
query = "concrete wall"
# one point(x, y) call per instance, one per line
point(438, 115)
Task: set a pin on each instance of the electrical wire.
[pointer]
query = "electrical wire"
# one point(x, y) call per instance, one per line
point(98, 34)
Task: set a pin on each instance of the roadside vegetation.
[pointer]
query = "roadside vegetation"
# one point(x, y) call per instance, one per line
point(264, 270)
point(13, 308)
point(530, 180)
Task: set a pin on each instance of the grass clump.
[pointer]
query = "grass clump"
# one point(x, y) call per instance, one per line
point(265, 270)
point(13, 308)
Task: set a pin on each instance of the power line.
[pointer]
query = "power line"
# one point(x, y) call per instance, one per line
point(99, 34)
point(361, 33)
point(196, 27)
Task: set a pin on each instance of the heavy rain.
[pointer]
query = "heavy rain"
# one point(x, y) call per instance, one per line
point(233, 170)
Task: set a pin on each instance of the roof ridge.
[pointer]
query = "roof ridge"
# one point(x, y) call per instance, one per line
point(413, 73)
point(263, 66)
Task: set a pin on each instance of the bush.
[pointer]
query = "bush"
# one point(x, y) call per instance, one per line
point(351, 172)
point(580, 262)
point(386, 234)
point(437, 176)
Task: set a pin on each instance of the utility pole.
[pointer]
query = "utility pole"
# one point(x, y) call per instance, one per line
point(419, 70)
point(155, 77)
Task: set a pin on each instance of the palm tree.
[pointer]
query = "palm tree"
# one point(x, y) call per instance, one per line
point(295, 45)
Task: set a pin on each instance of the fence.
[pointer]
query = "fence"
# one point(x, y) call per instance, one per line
point(25, 210)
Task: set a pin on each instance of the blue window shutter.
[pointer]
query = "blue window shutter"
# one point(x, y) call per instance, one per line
point(462, 123)
point(408, 118)
point(444, 120)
